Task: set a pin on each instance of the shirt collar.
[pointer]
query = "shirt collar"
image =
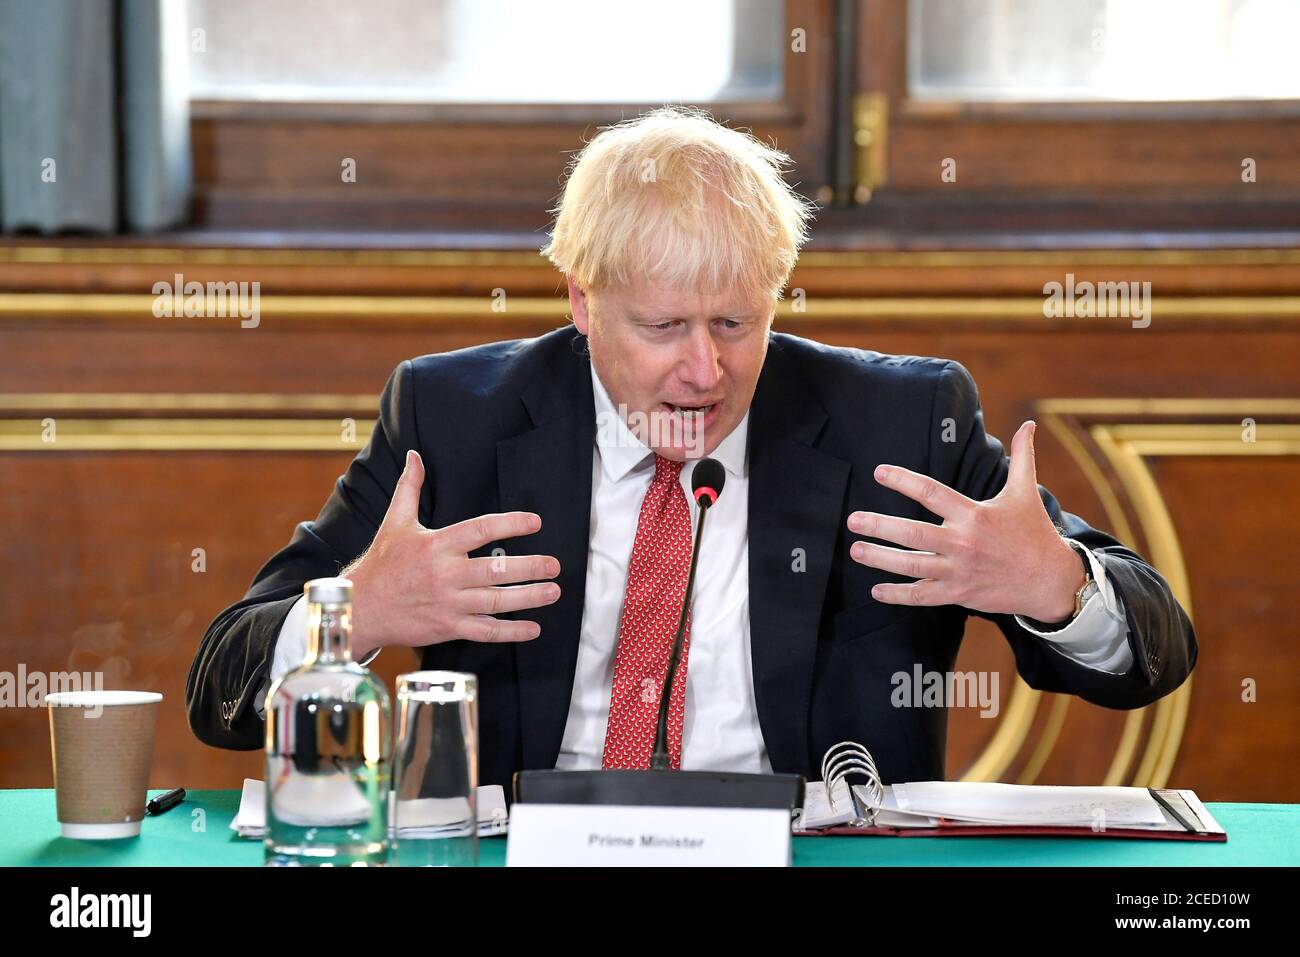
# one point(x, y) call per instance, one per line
point(621, 451)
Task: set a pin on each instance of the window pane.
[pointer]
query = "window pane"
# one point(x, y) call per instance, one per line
point(1103, 49)
point(487, 51)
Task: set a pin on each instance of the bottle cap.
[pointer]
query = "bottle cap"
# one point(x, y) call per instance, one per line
point(329, 591)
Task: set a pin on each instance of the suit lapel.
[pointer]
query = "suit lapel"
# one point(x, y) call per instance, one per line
point(796, 503)
point(547, 470)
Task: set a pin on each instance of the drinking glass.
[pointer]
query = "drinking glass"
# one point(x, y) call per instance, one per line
point(435, 770)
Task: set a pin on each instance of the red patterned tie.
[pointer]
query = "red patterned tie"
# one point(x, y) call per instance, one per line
point(652, 605)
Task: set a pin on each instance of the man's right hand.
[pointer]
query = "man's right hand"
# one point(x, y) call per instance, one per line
point(417, 586)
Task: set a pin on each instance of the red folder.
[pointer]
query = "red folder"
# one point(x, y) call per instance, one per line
point(962, 829)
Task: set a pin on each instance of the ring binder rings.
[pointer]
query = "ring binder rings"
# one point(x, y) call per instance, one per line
point(843, 759)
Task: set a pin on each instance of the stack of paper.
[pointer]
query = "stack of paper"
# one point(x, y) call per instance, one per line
point(421, 817)
point(972, 802)
point(924, 803)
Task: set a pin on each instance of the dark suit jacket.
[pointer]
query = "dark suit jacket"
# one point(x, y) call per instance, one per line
point(510, 425)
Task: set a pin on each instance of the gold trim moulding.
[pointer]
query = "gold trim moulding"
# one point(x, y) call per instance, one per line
point(134, 306)
point(1169, 714)
point(1181, 408)
point(20, 254)
point(48, 403)
point(183, 435)
point(1126, 446)
point(225, 256)
point(528, 309)
point(1265, 438)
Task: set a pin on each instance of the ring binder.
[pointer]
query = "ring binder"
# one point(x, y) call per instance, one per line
point(849, 757)
point(990, 808)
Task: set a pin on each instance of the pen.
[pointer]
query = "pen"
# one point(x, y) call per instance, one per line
point(165, 802)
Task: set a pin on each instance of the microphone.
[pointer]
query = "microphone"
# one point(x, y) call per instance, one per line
point(707, 479)
point(659, 785)
point(706, 483)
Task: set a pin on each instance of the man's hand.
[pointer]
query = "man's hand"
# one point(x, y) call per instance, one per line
point(1003, 556)
point(416, 586)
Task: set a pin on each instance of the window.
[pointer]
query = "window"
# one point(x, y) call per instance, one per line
point(1035, 116)
point(456, 51)
point(459, 116)
point(1141, 50)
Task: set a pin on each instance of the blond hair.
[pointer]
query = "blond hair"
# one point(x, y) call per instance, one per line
point(676, 197)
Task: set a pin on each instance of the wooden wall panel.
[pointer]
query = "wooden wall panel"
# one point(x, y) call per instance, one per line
point(95, 555)
point(1238, 519)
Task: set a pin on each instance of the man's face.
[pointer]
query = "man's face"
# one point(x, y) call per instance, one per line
point(681, 367)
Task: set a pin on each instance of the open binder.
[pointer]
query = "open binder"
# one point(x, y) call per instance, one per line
point(976, 809)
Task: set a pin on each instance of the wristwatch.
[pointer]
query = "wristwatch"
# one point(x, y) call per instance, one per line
point(1090, 586)
point(1086, 591)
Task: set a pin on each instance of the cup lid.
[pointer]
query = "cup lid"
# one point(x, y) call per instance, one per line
point(94, 699)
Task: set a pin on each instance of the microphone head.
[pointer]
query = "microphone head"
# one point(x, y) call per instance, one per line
point(707, 480)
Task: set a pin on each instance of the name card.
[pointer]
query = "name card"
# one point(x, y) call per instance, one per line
point(573, 835)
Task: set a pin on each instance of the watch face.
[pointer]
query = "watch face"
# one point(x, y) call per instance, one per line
point(1081, 597)
point(1086, 592)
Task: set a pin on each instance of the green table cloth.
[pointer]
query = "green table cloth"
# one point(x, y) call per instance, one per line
point(197, 834)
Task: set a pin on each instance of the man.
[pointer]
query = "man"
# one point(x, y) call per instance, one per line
point(522, 511)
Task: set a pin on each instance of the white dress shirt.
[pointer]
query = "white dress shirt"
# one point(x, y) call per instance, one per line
point(721, 729)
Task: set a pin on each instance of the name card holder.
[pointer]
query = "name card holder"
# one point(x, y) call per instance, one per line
point(586, 835)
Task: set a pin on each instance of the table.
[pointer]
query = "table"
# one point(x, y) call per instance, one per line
point(1258, 834)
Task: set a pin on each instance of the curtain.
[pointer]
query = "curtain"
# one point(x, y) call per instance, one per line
point(94, 115)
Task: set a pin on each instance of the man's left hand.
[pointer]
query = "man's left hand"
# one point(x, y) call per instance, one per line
point(1001, 556)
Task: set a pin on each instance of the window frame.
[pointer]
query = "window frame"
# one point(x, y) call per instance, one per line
point(487, 174)
point(1039, 165)
point(260, 164)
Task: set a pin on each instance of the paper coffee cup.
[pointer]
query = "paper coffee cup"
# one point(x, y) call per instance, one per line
point(102, 742)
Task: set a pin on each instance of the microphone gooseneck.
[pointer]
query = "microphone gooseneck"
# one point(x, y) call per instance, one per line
point(707, 479)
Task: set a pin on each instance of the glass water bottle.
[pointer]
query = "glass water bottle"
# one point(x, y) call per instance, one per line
point(328, 746)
